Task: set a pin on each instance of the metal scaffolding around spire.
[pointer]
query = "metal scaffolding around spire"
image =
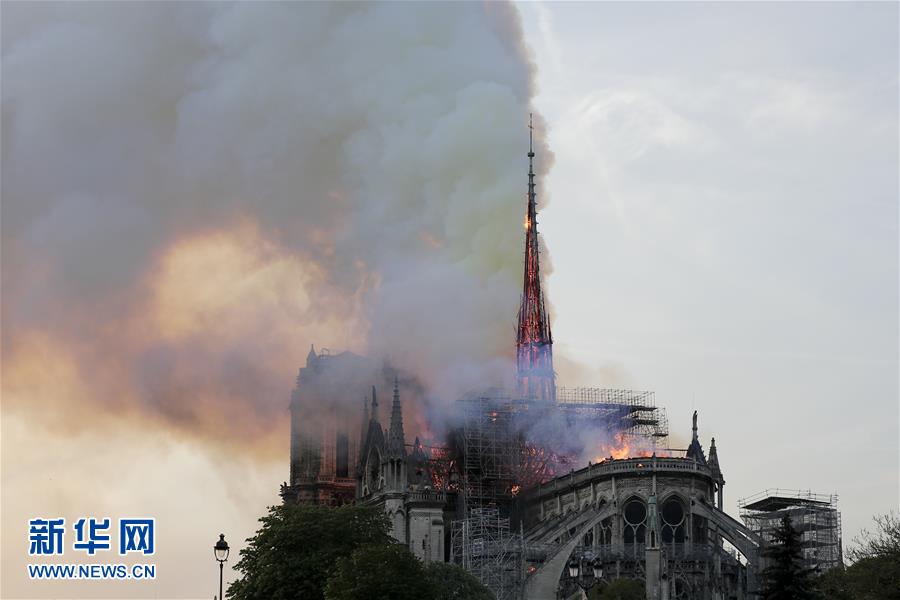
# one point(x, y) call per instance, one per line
point(534, 341)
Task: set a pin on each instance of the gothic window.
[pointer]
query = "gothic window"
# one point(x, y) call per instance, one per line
point(606, 531)
point(674, 520)
point(635, 523)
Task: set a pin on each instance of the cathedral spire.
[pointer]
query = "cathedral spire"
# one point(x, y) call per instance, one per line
point(374, 405)
point(534, 342)
point(396, 443)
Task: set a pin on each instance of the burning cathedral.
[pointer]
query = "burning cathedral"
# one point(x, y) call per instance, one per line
point(538, 491)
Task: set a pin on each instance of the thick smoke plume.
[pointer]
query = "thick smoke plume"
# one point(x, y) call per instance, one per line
point(193, 193)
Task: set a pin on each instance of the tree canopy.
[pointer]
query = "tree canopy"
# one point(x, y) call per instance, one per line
point(455, 583)
point(345, 553)
point(385, 572)
point(297, 546)
point(619, 589)
point(785, 577)
point(874, 573)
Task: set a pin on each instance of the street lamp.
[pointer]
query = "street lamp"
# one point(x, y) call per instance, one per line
point(597, 568)
point(221, 550)
point(585, 573)
point(573, 567)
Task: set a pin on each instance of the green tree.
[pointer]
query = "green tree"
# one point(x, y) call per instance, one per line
point(295, 550)
point(455, 583)
point(884, 542)
point(380, 573)
point(834, 585)
point(786, 578)
point(619, 589)
point(874, 572)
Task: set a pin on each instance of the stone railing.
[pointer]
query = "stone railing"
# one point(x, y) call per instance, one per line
point(427, 496)
point(633, 466)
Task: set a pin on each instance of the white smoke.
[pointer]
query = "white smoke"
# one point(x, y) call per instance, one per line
point(362, 165)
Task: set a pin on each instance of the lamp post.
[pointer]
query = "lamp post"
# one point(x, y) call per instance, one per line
point(221, 550)
point(581, 576)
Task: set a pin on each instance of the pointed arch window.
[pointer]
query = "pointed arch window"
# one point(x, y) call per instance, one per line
point(634, 516)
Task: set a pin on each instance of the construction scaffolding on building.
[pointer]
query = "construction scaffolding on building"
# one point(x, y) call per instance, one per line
point(632, 413)
point(483, 545)
point(814, 516)
point(506, 445)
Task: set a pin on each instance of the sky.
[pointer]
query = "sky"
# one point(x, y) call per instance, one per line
point(195, 193)
point(722, 220)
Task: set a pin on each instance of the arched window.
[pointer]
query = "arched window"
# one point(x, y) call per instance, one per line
point(606, 531)
point(673, 522)
point(588, 539)
point(634, 515)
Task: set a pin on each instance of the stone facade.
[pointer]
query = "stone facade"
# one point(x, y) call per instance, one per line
point(655, 519)
point(400, 483)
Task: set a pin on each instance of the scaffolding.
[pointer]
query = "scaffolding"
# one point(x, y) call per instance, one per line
point(491, 451)
point(632, 413)
point(506, 444)
point(814, 516)
point(484, 546)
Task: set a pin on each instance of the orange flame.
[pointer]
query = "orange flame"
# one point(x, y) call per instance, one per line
point(623, 447)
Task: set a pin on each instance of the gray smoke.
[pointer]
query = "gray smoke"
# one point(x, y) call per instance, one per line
point(195, 192)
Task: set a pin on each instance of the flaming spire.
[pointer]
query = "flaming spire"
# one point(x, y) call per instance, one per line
point(534, 342)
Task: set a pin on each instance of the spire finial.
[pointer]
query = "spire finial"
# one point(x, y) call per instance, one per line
point(374, 405)
point(530, 135)
point(694, 427)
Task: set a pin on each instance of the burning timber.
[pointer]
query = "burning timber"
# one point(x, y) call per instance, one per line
point(537, 491)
